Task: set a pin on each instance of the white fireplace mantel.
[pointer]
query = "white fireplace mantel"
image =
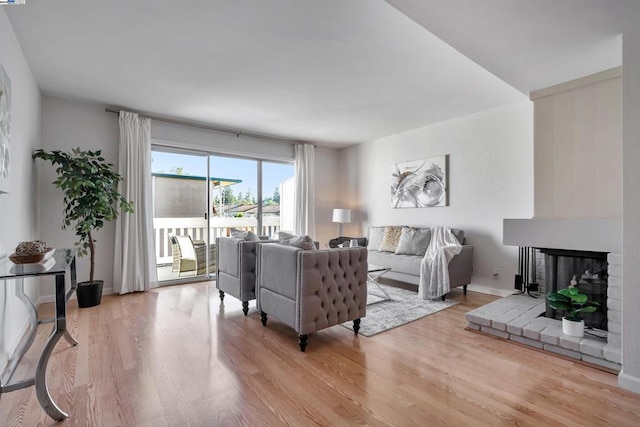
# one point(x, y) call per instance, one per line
point(582, 234)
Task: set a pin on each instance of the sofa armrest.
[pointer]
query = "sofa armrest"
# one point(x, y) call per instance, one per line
point(277, 269)
point(228, 255)
point(461, 267)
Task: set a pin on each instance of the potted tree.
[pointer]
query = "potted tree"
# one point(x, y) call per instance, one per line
point(91, 198)
point(573, 303)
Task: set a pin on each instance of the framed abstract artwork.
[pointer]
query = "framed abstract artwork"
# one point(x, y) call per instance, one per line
point(5, 128)
point(420, 183)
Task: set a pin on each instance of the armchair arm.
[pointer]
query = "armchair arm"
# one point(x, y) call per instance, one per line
point(228, 259)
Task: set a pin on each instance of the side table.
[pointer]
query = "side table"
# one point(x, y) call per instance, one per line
point(63, 260)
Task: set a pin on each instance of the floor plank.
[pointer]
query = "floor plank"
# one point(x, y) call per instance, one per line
point(177, 356)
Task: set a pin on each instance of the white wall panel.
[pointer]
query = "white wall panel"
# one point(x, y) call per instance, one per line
point(578, 149)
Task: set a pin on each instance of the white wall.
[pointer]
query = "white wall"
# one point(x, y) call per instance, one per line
point(578, 148)
point(18, 209)
point(67, 125)
point(220, 142)
point(490, 178)
point(630, 376)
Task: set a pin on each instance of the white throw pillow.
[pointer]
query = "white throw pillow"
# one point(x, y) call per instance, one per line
point(375, 237)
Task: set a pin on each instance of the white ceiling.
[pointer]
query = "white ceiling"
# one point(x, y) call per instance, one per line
point(334, 72)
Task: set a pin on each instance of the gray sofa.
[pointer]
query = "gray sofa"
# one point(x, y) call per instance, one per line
point(406, 268)
point(310, 290)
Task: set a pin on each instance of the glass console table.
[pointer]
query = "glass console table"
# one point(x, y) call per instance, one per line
point(61, 262)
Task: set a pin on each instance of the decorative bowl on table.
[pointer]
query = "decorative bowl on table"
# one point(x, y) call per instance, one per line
point(31, 252)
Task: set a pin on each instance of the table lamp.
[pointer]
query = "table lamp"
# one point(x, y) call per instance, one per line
point(341, 216)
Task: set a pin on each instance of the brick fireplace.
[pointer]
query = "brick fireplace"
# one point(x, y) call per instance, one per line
point(521, 318)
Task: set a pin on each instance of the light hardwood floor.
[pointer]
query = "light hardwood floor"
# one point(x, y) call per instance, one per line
point(177, 357)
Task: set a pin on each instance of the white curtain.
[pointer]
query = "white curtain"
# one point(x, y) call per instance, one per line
point(304, 195)
point(134, 255)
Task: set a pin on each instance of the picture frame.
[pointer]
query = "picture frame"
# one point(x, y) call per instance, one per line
point(420, 183)
point(5, 129)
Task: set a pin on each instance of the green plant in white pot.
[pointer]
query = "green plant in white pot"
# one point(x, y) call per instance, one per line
point(91, 199)
point(573, 303)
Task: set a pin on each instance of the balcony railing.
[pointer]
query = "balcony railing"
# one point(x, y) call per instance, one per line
point(196, 228)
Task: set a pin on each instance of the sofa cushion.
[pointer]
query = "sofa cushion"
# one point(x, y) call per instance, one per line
point(413, 241)
point(390, 238)
point(408, 264)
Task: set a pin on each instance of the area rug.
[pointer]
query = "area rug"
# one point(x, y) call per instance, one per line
point(405, 307)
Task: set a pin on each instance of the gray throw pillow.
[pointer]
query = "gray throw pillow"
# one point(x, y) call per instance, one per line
point(459, 235)
point(375, 237)
point(284, 237)
point(244, 235)
point(413, 241)
point(302, 242)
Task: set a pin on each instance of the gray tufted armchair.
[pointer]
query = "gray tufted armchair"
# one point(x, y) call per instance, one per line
point(236, 273)
point(310, 290)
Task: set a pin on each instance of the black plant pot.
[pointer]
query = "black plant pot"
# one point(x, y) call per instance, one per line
point(89, 293)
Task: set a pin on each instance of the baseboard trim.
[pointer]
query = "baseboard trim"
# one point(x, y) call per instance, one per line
point(489, 290)
point(628, 382)
point(43, 299)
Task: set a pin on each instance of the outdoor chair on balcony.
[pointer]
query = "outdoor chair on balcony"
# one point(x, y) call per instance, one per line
point(190, 256)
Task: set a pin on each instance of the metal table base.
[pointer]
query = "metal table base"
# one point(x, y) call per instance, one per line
point(65, 260)
point(373, 274)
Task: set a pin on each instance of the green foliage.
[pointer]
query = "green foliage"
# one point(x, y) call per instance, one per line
point(572, 302)
point(91, 197)
point(238, 215)
point(228, 198)
point(178, 171)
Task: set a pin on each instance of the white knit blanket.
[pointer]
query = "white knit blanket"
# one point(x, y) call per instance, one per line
point(434, 268)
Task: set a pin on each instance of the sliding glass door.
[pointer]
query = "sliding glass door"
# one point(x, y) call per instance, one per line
point(180, 199)
point(234, 195)
point(199, 197)
point(277, 198)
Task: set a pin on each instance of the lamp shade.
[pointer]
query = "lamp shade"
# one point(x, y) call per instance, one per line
point(342, 215)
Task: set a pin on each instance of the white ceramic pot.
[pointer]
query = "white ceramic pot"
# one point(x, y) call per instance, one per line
point(573, 328)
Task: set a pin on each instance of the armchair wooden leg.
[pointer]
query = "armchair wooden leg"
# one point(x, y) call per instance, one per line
point(263, 318)
point(302, 341)
point(356, 326)
point(221, 295)
point(443, 297)
point(464, 289)
point(245, 307)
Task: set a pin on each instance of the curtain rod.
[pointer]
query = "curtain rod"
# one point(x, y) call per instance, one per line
point(235, 132)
